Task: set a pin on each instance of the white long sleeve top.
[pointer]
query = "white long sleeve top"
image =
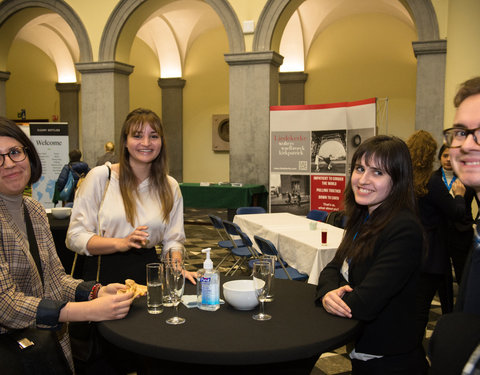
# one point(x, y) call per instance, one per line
point(90, 214)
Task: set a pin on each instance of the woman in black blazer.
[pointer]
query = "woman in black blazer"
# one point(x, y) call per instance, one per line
point(373, 276)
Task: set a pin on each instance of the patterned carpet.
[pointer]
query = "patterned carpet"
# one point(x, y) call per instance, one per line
point(201, 234)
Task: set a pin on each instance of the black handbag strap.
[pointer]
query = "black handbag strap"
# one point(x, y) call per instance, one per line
point(33, 242)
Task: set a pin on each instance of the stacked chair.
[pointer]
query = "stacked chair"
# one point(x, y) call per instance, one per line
point(225, 241)
point(241, 253)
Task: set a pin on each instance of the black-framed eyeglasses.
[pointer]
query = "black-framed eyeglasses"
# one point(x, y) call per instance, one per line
point(456, 136)
point(16, 154)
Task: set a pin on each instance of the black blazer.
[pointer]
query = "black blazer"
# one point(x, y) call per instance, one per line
point(437, 209)
point(384, 288)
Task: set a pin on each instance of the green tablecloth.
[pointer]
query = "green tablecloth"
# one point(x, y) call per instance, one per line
point(223, 196)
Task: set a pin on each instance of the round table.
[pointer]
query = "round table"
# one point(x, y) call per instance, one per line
point(294, 338)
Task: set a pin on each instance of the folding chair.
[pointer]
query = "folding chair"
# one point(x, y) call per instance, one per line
point(242, 252)
point(285, 272)
point(225, 241)
point(250, 210)
point(317, 215)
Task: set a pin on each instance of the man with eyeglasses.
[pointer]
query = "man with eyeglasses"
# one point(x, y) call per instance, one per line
point(455, 343)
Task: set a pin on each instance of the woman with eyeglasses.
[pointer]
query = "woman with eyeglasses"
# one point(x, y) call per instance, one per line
point(35, 291)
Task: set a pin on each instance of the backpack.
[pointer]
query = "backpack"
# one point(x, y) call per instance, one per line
point(68, 189)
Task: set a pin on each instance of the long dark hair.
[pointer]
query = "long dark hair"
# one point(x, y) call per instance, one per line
point(9, 129)
point(391, 155)
point(136, 120)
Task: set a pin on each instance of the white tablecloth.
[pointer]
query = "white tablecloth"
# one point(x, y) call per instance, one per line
point(299, 246)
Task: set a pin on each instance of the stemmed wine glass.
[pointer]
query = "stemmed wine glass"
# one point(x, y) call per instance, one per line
point(262, 277)
point(270, 259)
point(175, 281)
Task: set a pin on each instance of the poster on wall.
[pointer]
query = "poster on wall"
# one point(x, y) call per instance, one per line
point(310, 151)
point(51, 141)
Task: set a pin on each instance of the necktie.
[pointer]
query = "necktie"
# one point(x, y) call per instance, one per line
point(472, 291)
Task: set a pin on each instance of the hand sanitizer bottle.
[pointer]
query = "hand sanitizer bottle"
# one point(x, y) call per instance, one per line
point(208, 285)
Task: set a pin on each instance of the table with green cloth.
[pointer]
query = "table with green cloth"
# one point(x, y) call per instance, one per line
point(223, 196)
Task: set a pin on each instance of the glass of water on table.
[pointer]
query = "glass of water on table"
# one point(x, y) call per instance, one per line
point(155, 279)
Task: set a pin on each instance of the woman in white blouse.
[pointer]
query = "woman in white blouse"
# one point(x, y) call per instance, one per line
point(122, 211)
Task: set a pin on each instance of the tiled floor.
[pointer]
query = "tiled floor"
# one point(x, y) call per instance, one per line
point(201, 234)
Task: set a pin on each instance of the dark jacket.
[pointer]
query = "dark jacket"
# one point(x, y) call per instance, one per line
point(384, 288)
point(437, 209)
point(79, 168)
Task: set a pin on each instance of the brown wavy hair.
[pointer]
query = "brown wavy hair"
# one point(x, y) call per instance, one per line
point(423, 149)
point(391, 155)
point(137, 120)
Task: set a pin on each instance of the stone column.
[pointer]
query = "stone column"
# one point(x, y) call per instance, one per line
point(292, 88)
point(172, 118)
point(69, 111)
point(4, 76)
point(431, 57)
point(105, 104)
point(253, 89)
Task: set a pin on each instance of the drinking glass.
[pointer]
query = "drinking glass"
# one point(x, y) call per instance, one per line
point(155, 288)
point(262, 277)
point(167, 255)
point(323, 234)
point(175, 282)
point(270, 259)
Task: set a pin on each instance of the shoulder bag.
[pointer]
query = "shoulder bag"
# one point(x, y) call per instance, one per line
point(86, 347)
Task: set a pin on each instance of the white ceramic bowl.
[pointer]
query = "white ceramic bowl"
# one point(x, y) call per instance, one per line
point(61, 212)
point(240, 294)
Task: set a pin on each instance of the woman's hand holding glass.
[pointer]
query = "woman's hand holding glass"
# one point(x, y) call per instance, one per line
point(335, 305)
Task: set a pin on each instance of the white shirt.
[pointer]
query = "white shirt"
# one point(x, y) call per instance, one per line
point(87, 215)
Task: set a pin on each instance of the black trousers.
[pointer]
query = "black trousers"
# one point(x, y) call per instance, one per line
point(115, 268)
point(403, 364)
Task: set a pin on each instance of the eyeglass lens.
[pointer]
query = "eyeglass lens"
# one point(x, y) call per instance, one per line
point(455, 137)
point(16, 154)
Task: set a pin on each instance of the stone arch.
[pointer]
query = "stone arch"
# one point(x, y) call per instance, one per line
point(10, 7)
point(276, 14)
point(111, 37)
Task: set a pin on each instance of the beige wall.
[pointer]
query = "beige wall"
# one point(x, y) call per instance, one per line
point(352, 60)
point(144, 89)
point(31, 86)
point(205, 94)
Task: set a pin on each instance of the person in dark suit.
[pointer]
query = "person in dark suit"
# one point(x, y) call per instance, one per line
point(373, 276)
point(457, 336)
point(436, 207)
point(459, 232)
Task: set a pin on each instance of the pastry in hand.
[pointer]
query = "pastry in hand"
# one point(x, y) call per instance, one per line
point(137, 289)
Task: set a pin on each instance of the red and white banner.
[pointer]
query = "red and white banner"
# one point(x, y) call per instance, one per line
point(310, 151)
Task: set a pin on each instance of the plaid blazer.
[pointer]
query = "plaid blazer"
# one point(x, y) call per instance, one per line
point(21, 289)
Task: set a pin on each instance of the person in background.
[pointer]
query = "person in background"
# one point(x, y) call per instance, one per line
point(79, 168)
point(454, 346)
point(436, 207)
point(373, 276)
point(40, 294)
point(459, 232)
point(141, 207)
point(109, 155)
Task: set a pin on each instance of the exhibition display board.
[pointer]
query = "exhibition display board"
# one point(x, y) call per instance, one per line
point(310, 151)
